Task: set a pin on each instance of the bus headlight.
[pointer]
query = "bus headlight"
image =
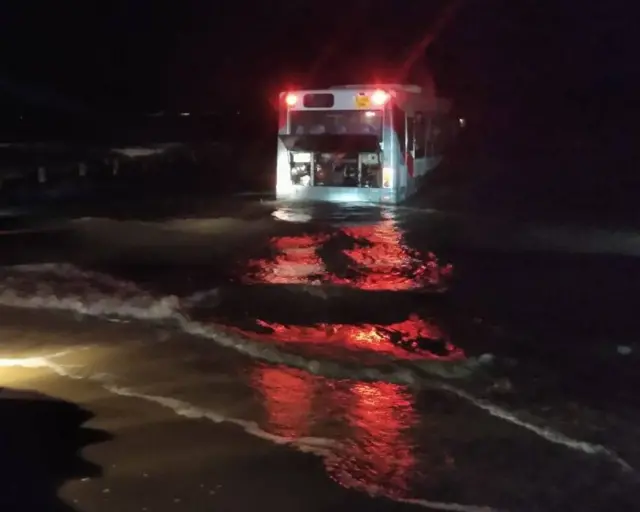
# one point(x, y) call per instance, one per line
point(387, 177)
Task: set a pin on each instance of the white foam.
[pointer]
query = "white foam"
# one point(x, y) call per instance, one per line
point(88, 293)
point(316, 445)
point(144, 308)
point(291, 216)
point(450, 507)
point(546, 433)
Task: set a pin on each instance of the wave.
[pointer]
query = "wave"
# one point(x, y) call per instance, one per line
point(67, 288)
point(64, 287)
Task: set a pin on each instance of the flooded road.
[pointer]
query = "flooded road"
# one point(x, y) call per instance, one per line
point(438, 361)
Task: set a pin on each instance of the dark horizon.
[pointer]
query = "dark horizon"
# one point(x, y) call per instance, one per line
point(148, 57)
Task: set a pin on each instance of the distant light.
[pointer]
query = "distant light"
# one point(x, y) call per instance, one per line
point(379, 97)
point(185, 114)
point(462, 122)
point(291, 99)
point(369, 113)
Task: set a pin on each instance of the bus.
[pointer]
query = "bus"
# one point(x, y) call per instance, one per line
point(369, 143)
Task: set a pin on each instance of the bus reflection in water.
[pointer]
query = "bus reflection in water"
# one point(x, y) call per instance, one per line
point(378, 259)
point(371, 421)
point(287, 396)
point(295, 262)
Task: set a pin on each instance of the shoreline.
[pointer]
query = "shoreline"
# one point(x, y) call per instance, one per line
point(157, 459)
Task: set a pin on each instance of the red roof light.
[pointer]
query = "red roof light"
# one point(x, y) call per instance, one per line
point(379, 97)
point(291, 99)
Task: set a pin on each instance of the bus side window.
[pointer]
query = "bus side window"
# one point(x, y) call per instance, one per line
point(410, 134)
point(420, 133)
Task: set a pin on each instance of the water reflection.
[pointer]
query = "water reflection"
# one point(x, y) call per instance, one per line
point(384, 262)
point(295, 261)
point(413, 338)
point(372, 423)
point(378, 455)
point(372, 256)
point(287, 399)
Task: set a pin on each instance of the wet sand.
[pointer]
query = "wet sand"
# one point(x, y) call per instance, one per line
point(158, 460)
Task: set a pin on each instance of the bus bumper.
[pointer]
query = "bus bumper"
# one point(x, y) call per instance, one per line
point(338, 194)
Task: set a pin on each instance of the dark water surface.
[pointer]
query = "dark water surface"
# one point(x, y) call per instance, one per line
point(455, 360)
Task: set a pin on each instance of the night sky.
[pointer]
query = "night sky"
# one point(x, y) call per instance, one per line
point(536, 59)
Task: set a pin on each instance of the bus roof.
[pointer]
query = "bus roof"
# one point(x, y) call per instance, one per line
point(398, 87)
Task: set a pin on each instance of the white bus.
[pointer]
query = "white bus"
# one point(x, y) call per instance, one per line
point(360, 143)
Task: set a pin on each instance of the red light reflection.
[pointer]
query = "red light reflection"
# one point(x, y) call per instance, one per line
point(386, 263)
point(377, 456)
point(380, 259)
point(401, 340)
point(287, 395)
point(296, 261)
point(371, 421)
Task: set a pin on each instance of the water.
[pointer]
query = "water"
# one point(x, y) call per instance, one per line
point(450, 361)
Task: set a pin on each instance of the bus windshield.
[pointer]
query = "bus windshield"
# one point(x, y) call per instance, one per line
point(336, 122)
